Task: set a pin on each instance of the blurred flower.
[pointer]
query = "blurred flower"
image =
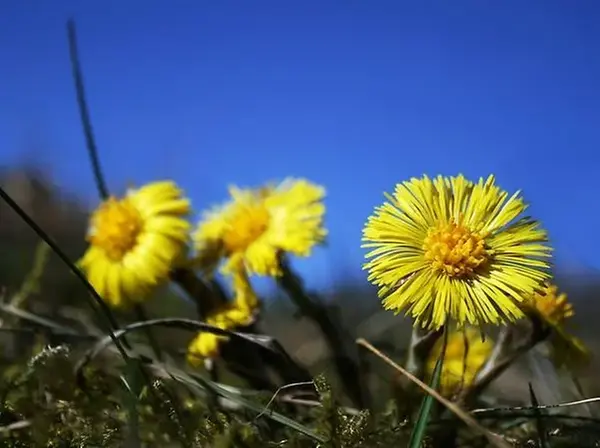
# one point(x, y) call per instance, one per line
point(552, 307)
point(135, 241)
point(230, 316)
point(205, 344)
point(257, 224)
point(450, 249)
point(555, 309)
point(466, 352)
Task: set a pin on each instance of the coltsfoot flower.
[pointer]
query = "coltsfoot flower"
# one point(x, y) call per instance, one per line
point(229, 316)
point(555, 310)
point(257, 224)
point(466, 353)
point(449, 249)
point(135, 241)
point(205, 344)
point(552, 307)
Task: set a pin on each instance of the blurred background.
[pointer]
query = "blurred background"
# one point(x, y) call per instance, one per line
point(354, 95)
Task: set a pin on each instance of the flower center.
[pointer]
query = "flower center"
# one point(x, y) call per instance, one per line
point(115, 227)
point(455, 250)
point(247, 224)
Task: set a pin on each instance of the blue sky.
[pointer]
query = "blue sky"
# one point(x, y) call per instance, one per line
point(356, 95)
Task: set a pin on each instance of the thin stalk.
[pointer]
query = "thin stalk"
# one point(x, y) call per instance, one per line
point(142, 316)
point(427, 404)
point(420, 345)
point(503, 356)
point(345, 363)
point(97, 304)
point(213, 372)
point(204, 297)
point(34, 277)
point(84, 112)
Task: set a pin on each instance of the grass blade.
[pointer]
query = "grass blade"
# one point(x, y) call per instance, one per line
point(84, 112)
point(38, 320)
point(260, 409)
point(418, 432)
point(133, 382)
point(34, 277)
point(97, 303)
point(188, 324)
point(185, 324)
point(205, 385)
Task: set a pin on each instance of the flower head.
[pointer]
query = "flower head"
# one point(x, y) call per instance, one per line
point(205, 344)
point(450, 249)
point(552, 307)
point(466, 352)
point(257, 224)
point(230, 316)
point(135, 241)
point(555, 310)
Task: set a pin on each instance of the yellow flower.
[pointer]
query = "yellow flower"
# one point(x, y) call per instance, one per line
point(135, 240)
point(229, 317)
point(205, 344)
point(450, 249)
point(257, 224)
point(466, 352)
point(555, 309)
point(552, 307)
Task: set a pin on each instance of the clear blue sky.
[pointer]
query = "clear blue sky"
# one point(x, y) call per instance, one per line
point(356, 95)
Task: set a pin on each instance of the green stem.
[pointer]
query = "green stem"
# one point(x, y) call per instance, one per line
point(503, 356)
point(142, 316)
point(421, 344)
point(205, 298)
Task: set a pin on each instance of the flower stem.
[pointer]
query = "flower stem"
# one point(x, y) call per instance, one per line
point(421, 343)
point(142, 316)
point(205, 298)
point(345, 364)
point(502, 357)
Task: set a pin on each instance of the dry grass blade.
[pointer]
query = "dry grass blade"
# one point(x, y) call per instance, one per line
point(494, 439)
point(541, 406)
point(22, 424)
point(282, 388)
